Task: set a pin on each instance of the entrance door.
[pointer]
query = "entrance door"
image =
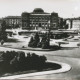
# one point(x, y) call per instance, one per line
point(39, 24)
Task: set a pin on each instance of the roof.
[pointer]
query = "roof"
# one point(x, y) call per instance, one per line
point(77, 18)
point(53, 12)
point(39, 11)
point(8, 17)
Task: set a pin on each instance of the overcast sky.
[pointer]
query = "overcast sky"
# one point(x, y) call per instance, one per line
point(65, 8)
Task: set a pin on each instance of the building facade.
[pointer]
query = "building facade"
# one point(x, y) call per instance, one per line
point(73, 23)
point(76, 24)
point(13, 22)
point(39, 19)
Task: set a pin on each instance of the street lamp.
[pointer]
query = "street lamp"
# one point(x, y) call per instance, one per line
point(13, 24)
point(32, 24)
point(49, 33)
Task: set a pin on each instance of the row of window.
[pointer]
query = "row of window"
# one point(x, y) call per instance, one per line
point(38, 20)
point(37, 17)
point(11, 21)
point(41, 24)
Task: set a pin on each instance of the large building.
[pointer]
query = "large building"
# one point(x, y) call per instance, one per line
point(13, 22)
point(39, 19)
point(73, 23)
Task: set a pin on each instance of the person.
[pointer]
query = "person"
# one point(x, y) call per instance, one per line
point(59, 44)
point(2, 42)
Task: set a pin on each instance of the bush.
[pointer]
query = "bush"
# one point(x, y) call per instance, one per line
point(34, 41)
point(8, 55)
point(35, 61)
point(31, 40)
point(39, 45)
point(45, 42)
point(16, 61)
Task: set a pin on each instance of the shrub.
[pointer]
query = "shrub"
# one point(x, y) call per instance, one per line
point(39, 45)
point(36, 38)
point(31, 40)
point(2, 42)
point(34, 41)
point(16, 61)
point(35, 61)
point(8, 55)
point(45, 42)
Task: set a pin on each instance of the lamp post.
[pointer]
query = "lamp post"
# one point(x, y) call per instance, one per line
point(49, 33)
point(32, 24)
point(13, 24)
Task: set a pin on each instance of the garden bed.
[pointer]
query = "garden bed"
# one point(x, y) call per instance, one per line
point(47, 67)
point(15, 63)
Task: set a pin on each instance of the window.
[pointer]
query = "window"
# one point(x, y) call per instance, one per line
point(54, 24)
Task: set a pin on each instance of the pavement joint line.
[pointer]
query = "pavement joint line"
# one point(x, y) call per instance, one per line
point(65, 68)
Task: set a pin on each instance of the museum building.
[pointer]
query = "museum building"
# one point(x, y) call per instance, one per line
point(39, 19)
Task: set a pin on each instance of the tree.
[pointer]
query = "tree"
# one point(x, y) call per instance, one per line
point(34, 41)
point(3, 34)
point(45, 42)
point(3, 25)
point(36, 38)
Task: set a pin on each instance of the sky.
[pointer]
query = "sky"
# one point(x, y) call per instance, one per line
point(64, 8)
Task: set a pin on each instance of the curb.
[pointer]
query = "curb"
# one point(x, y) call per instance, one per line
point(65, 68)
point(32, 49)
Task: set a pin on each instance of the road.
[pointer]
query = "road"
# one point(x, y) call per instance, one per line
point(70, 56)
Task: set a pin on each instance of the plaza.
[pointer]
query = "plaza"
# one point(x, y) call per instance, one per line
point(69, 53)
